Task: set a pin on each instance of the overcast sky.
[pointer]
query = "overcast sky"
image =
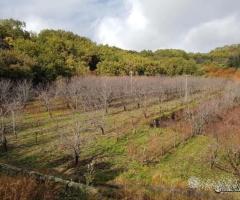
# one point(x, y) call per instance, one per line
point(192, 25)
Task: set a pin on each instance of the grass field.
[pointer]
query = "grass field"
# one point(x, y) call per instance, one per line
point(130, 154)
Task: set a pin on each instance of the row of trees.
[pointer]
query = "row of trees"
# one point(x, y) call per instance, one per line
point(13, 99)
point(91, 100)
point(225, 152)
point(94, 93)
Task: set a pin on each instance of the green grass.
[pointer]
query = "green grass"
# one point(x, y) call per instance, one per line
point(111, 151)
point(187, 160)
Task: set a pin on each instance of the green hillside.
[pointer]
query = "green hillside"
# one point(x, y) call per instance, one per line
point(52, 53)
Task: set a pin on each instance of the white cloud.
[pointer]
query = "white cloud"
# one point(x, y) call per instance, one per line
point(80, 16)
point(36, 24)
point(208, 35)
point(125, 31)
point(135, 24)
point(136, 18)
point(109, 30)
point(187, 24)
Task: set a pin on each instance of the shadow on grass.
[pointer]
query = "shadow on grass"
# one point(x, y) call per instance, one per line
point(106, 172)
point(103, 171)
point(59, 161)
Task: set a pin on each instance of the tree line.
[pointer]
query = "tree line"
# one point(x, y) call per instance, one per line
point(49, 54)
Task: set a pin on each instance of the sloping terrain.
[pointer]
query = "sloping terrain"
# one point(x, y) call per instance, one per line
point(144, 149)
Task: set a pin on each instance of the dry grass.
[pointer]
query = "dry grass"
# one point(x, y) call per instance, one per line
point(231, 73)
point(21, 188)
point(139, 192)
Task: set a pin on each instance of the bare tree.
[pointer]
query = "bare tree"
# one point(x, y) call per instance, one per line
point(98, 121)
point(5, 88)
point(227, 154)
point(13, 107)
point(24, 91)
point(46, 95)
point(106, 93)
point(73, 141)
point(3, 136)
point(73, 93)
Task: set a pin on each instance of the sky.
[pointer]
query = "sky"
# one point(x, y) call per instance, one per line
point(192, 25)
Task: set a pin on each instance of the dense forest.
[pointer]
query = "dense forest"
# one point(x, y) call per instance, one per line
point(49, 54)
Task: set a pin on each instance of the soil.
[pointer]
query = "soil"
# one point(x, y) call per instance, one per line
point(169, 120)
point(227, 122)
point(224, 123)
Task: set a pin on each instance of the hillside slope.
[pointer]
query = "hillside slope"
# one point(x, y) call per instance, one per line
point(52, 53)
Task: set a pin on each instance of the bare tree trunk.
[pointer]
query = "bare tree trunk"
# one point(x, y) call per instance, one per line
point(133, 125)
point(102, 130)
point(76, 158)
point(14, 123)
point(5, 148)
point(3, 137)
point(145, 114)
point(145, 107)
point(213, 159)
point(49, 112)
point(4, 143)
point(36, 137)
point(186, 89)
point(138, 105)
point(106, 109)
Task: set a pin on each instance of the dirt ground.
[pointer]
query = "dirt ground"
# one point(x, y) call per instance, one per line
point(227, 122)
